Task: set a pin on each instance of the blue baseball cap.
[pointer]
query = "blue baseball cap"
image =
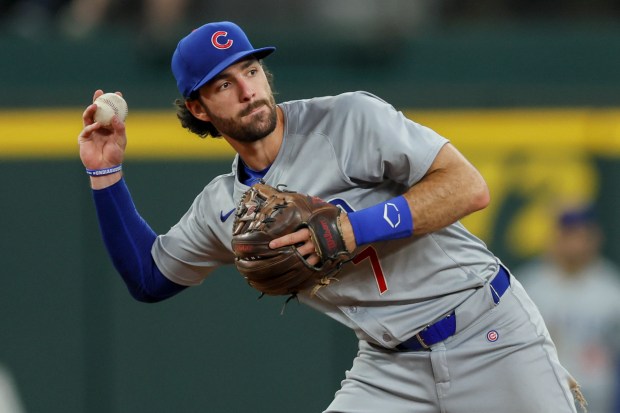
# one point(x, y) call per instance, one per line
point(577, 216)
point(208, 50)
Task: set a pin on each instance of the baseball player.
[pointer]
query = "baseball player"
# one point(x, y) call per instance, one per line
point(442, 324)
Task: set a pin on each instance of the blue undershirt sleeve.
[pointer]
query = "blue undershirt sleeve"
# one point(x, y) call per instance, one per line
point(128, 239)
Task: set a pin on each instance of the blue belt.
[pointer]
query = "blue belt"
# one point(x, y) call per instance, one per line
point(446, 327)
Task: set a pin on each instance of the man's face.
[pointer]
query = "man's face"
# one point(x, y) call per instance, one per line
point(577, 245)
point(239, 102)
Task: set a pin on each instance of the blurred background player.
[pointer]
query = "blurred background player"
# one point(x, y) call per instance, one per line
point(578, 293)
point(10, 400)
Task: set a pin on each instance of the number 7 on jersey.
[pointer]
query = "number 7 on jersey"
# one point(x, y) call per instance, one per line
point(368, 253)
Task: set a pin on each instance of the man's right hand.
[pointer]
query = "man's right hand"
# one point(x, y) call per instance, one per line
point(102, 147)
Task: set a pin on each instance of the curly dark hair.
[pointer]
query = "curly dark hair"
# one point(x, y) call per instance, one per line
point(199, 127)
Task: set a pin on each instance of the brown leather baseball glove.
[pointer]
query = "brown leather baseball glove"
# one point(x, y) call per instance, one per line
point(265, 213)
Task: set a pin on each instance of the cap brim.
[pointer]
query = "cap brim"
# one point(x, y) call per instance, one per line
point(260, 53)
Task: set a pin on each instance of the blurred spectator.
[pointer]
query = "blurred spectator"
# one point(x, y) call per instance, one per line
point(528, 9)
point(155, 22)
point(155, 25)
point(30, 18)
point(383, 26)
point(578, 293)
point(386, 22)
point(158, 18)
point(9, 397)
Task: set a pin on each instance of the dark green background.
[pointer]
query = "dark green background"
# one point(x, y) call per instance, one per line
point(77, 342)
point(72, 335)
point(544, 63)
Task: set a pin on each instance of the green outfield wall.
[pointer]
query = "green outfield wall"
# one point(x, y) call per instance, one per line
point(76, 340)
point(535, 107)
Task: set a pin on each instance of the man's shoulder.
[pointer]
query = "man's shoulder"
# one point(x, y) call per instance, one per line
point(347, 98)
point(341, 117)
point(342, 109)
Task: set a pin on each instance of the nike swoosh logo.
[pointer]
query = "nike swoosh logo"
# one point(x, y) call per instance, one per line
point(224, 216)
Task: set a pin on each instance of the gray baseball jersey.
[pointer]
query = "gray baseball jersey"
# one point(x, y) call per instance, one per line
point(354, 150)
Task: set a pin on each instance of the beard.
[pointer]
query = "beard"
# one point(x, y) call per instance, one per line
point(252, 130)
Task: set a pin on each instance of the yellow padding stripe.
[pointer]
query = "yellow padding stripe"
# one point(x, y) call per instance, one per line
point(50, 133)
point(595, 131)
point(54, 133)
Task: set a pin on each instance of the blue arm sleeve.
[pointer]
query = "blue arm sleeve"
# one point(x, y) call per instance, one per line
point(128, 239)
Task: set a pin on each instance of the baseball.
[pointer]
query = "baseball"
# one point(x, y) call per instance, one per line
point(108, 105)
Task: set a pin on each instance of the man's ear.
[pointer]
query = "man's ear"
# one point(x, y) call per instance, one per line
point(197, 109)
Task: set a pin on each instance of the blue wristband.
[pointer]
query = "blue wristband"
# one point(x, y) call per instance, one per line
point(382, 222)
point(104, 171)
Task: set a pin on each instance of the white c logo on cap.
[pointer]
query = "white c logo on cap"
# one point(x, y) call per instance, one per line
point(215, 40)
